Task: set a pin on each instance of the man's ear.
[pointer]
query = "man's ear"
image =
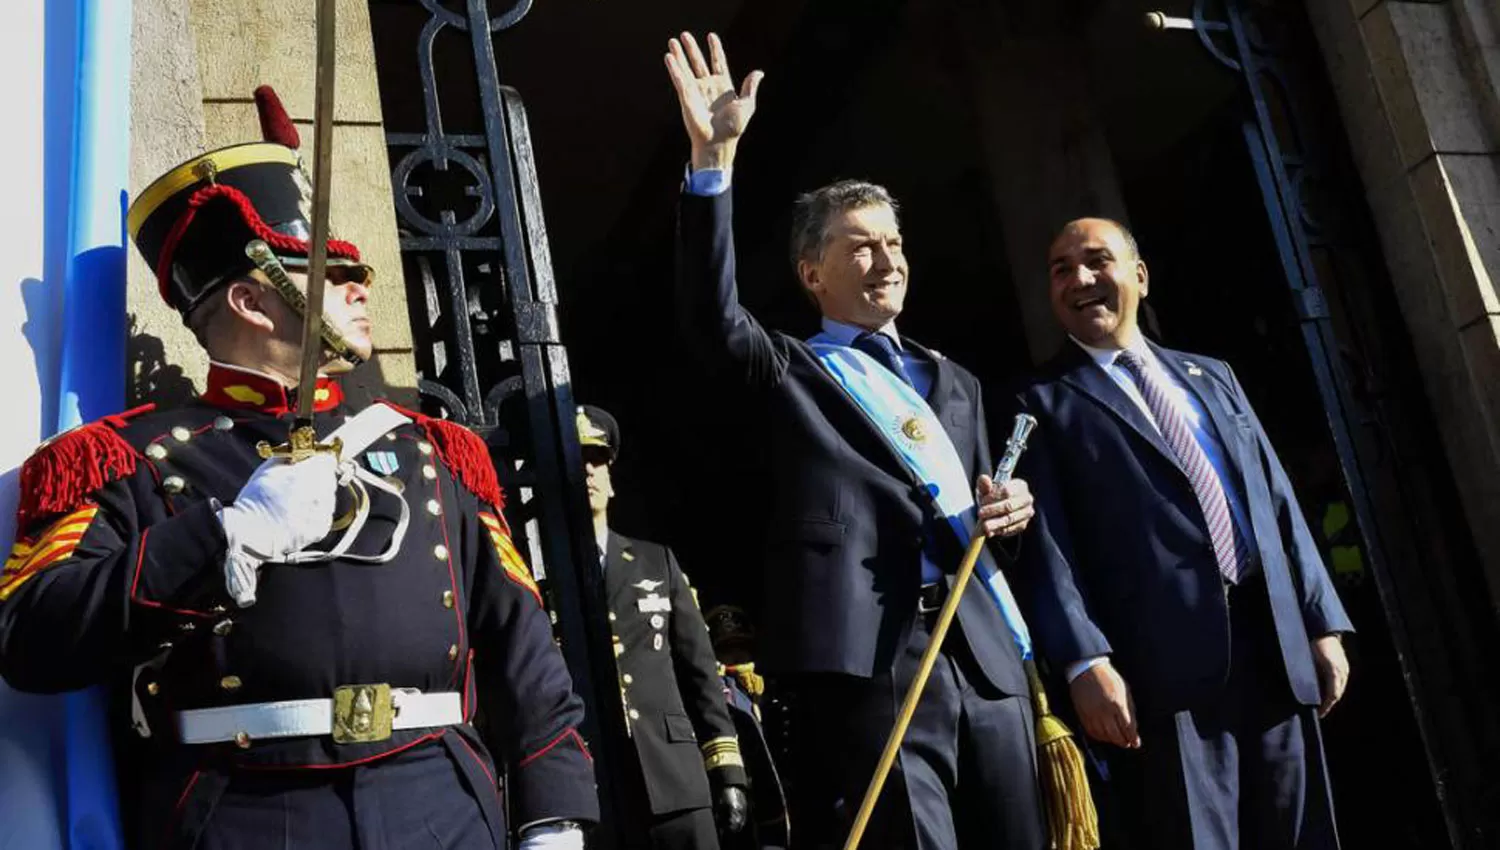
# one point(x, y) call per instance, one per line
point(246, 300)
point(1144, 276)
point(807, 274)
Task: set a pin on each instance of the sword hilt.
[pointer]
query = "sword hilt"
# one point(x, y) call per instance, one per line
point(301, 444)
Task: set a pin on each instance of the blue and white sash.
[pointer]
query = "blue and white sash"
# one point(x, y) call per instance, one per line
point(913, 431)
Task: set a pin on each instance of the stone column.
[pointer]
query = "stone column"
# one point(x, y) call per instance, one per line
point(1416, 83)
point(1046, 156)
point(195, 72)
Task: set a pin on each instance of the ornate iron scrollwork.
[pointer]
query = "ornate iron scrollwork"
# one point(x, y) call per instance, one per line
point(483, 308)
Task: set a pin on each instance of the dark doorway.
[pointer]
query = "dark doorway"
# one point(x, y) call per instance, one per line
point(869, 89)
point(1177, 127)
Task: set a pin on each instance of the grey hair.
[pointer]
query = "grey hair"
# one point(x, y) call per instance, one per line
point(813, 211)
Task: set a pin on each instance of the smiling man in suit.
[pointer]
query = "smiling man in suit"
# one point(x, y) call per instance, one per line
point(860, 552)
point(1173, 579)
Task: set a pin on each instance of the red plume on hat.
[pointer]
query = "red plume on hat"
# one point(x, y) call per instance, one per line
point(194, 223)
point(275, 125)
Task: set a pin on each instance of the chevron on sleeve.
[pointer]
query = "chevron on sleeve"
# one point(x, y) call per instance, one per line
point(32, 555)
point(510, 559)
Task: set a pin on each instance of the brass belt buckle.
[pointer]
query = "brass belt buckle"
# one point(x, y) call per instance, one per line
point(362, 713)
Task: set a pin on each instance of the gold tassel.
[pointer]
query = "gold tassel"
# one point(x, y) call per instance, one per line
point(1071, 819)
point(750, 680)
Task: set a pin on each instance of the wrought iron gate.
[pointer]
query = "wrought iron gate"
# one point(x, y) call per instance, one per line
point(1319, 224)
point(484, 311)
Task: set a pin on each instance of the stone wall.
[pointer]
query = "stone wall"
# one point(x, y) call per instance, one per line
point(166, 127)
point(196, 64)
point(1417, 85)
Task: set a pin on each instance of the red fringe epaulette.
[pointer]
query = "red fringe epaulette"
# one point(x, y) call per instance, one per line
point(463, 452)
point(74, 464)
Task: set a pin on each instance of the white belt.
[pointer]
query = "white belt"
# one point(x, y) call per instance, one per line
point(356, 714)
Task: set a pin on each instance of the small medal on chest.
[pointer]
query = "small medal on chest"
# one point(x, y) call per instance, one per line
point(383, 462)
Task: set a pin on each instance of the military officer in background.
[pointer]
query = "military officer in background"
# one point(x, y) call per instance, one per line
point(669, 679)
point(733, 638)
point(302, 640)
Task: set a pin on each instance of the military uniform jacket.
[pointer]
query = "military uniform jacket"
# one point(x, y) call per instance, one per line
point(120, 558)
point(669, 679)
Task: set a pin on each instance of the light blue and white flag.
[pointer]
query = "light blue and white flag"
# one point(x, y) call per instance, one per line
point(62, 343)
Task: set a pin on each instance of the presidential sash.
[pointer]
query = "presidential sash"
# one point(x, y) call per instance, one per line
point(914, 433)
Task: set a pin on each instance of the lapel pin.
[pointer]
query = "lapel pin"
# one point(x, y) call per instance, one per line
point(1192, 368)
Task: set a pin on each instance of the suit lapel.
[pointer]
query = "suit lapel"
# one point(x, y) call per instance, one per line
point(942, 377)
point(1086, 377)
point(1198, 382)
point(894, 461)
point(960, 424)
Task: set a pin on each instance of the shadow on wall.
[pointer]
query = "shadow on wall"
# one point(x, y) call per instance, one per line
point(37, 330)
point(151, 377)
point(369, 382)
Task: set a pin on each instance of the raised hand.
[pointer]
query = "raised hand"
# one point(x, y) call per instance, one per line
point(714, 112)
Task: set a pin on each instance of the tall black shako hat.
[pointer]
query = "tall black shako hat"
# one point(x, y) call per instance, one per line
point(194, 223)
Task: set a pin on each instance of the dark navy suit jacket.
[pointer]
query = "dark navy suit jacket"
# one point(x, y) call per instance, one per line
point(843, 561)
point(1121, 562)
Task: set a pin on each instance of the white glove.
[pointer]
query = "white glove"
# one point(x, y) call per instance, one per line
point(282, 509)
point(559, 835)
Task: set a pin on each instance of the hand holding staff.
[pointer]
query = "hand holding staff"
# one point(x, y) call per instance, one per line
point(1072, 821)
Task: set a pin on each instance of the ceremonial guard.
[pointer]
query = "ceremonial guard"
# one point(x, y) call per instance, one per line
point(303, 636)
point(669, 679)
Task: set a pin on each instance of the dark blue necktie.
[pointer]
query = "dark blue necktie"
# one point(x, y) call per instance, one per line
point(883, 349)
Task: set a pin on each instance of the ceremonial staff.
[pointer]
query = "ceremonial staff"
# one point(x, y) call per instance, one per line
point(302, 442)
point(1070, 809)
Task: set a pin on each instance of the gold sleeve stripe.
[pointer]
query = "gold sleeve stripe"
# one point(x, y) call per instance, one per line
point(715, 762)
point(54, 544)
point(510, 560)
point(726, 744)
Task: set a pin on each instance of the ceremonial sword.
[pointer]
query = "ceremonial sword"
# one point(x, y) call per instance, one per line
point(302, 441)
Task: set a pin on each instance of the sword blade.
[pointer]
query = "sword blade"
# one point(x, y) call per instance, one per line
point(317, 260)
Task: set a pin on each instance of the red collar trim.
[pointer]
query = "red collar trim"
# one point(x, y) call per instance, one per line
point(242, 389)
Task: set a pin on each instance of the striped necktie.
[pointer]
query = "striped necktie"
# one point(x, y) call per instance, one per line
point(1177, 431)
